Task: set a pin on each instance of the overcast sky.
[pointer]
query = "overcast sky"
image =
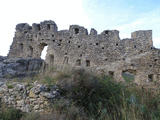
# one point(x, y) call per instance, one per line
point(124, 15)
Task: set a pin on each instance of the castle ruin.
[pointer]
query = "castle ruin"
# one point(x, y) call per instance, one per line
point(105, 53)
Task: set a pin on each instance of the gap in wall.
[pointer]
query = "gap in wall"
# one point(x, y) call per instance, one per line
point(44, 52)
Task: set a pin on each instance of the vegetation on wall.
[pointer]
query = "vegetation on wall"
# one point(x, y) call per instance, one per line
point(85, 96)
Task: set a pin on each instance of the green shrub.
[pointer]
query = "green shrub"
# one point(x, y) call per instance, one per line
point(31, 116)
point(97, 96)
point(87, 96)
point(10, 86)
point(10, 114)
point(103, 99)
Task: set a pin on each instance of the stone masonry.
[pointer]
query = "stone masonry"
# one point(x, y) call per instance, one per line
point(105, 53)
point(28, 97)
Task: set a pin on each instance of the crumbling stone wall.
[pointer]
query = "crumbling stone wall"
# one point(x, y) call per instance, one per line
point(78, 48)
point(28, 97)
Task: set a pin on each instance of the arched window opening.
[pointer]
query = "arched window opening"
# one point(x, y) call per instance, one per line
point(76, 30)
point(48, 27)
point(31, 51)
point(43, 48)
point(150, 78)
point(87, 63)
point(39, 27)
point(21, 46)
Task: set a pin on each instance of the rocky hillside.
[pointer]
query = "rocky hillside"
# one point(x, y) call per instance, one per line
point(19, 67)
point(28, 96)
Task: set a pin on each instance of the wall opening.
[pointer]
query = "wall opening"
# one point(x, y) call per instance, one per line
point(38, 26)
point(129, 75)
point(76, 30)
point(150, 78)
point(43, 48)
point(21, 46)
point(106, 32)
point(97, 44)
point(58, 44)
point(87, 63)
point(111, 73)
point(51, 59)
point(48, 27)
point(78, 62)
point(31, 51)
point(25, 32)
point(155, 60)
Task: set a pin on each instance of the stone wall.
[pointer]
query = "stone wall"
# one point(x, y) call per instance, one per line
point(28, 97)
point(78, 48)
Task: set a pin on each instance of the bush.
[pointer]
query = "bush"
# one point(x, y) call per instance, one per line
point(96, 95)
point(103, 99)
point(87, 96)
point(10, 114)
point(66, 109)
point(31, 116)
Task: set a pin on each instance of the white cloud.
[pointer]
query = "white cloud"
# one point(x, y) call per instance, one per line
point(149, 21)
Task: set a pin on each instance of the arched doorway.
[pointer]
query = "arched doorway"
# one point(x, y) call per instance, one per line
point(43, 50)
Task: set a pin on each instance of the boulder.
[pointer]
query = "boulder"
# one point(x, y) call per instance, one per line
point(19, 67)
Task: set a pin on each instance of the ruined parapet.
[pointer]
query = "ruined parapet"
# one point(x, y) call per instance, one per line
point(101, 48)
point(143, 37)
point(78, 30)
point(36, 27)
point(23, 27)
point(48, 26)
point(76, 48)
point(21, 35)
point(29, 41)
point(93, 32)
point(114, 34)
